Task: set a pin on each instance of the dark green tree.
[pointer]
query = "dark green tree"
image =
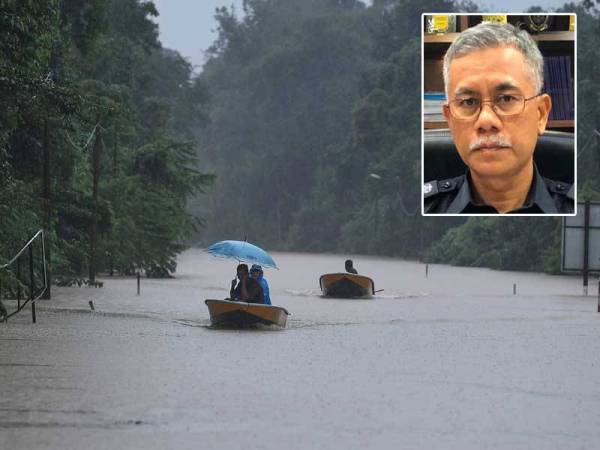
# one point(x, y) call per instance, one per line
point(93, 107)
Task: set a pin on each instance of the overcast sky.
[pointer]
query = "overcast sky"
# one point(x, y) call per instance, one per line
point(188, 26)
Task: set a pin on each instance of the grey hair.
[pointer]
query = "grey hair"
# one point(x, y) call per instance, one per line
point(493, 34)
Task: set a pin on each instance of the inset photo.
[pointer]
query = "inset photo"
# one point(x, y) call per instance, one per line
point(499, 114)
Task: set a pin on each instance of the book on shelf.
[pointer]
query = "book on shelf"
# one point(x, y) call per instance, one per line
point(432, 106)
point(558, 83)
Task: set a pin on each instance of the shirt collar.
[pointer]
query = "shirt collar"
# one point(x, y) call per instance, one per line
point(539, 195)
point(463, 197)
point(537, 199)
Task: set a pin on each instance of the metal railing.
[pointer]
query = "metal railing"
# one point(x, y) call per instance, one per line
point(24, 286)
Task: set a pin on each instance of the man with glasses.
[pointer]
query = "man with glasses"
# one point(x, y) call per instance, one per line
point(493, 76)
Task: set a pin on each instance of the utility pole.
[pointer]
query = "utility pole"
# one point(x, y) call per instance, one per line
point(47, 206)
point(96, 154)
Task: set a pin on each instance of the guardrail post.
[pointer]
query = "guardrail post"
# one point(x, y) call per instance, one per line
point(45, 270)
point(2, 313)
point(31, 283)
point(21, 287)
point(19, 283)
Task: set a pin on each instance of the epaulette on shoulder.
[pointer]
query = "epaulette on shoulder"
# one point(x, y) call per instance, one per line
point(561, 188)
point(434, 187)
point(430, 188)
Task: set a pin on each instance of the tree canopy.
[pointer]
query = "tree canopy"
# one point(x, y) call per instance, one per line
point(97, 139)
point(314, 135)
point(306, 112)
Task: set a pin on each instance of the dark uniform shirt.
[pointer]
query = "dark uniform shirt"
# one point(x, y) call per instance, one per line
point(454, 196)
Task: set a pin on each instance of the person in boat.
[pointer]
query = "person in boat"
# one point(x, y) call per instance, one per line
point(349, 267)
point(246, 289)
point(256, 272)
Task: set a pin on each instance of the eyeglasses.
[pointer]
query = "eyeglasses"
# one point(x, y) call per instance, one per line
point(468, 108)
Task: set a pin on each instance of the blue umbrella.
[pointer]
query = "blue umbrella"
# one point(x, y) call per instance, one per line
point(242, 251)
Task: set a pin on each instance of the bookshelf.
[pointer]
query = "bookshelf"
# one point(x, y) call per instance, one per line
point(557, 44)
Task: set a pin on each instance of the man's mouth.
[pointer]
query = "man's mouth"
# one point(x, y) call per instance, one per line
point(491, 147)
point(494, 143)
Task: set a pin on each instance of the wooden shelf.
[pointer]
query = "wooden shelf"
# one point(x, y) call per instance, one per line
point(549, 36)
point(435, 125)
point(446, 38)
point(561, 124)
point(555, 36)
point(552, 124)
point(550, 43)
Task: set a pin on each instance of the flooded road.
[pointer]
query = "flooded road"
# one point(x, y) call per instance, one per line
point(453, 360)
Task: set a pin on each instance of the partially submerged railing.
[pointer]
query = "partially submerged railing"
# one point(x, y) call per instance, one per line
point(24, 279)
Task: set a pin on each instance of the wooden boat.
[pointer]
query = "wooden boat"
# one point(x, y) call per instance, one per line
point(346, 285)
point(239, 314)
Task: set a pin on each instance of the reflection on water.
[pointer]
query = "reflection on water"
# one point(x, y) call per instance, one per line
point(206, 324)
point(193, 323)
point(303, 293)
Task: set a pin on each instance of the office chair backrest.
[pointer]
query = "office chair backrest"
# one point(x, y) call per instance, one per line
point(554, 156)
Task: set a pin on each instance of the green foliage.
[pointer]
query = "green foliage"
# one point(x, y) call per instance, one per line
point(588, 98)
point(283, 82)
point(500, 243)
point(535, 243)
point(138, 241)
point(314, 132)
point(306, 111)
point(385, 217)
point(28, 30)
point(307, 100)
point(19, 219)
point(86, 84)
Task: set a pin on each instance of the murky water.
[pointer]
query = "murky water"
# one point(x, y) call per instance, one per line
point(454, 360)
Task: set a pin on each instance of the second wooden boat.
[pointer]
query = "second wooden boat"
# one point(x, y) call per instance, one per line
point(229, 313)
point(346, 285)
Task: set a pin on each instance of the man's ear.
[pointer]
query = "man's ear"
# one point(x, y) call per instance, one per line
point(446, 111)
point(448, 116)
point(544, 105)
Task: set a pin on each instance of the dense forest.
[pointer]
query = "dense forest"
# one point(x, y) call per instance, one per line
point(302, 132)
point(314, 135)
point(96, 136)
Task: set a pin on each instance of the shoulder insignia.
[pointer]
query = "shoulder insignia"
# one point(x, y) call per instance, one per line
point(430, 188)
point(447, 185)
point(561, 188)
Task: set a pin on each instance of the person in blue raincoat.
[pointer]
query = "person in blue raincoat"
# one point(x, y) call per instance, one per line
point(256, 272)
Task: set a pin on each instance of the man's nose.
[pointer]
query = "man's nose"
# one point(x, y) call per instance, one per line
point(488, 120)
